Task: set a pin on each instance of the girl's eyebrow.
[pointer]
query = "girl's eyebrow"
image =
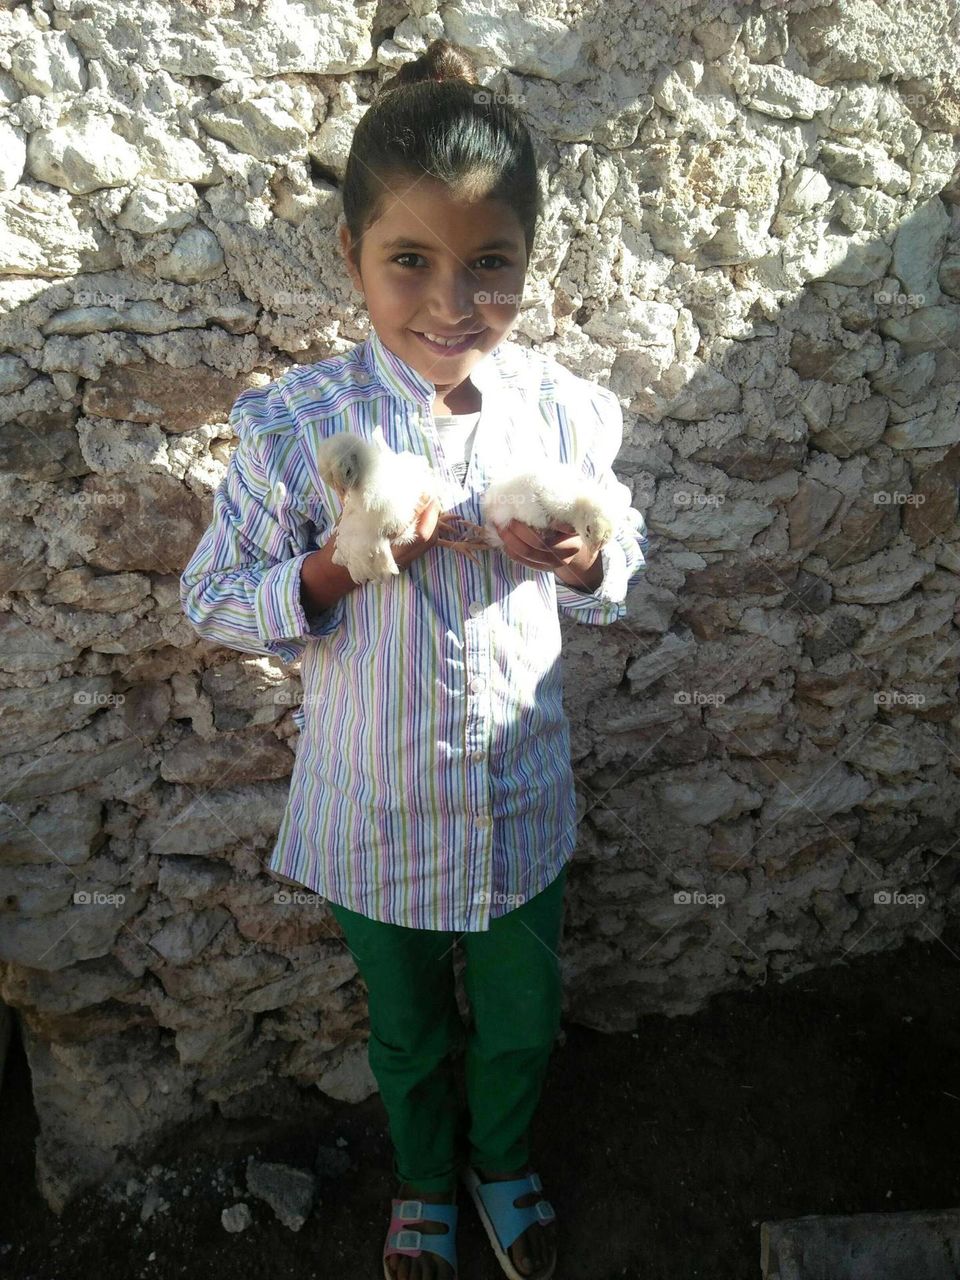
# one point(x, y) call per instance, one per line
point(401, 242)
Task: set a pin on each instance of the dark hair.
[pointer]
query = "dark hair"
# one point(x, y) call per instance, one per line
point(434, 117)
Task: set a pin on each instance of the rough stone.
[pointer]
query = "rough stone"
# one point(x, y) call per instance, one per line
point(176, 399)
point(863, 1246)
point(289, 1192)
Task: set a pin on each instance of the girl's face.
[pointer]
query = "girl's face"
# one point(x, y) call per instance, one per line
point(440, 265)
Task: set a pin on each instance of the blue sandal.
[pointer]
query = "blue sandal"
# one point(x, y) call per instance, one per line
point(413, 1243)
point(503, 1221)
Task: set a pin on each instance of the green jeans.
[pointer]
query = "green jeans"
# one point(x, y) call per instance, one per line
point(512, 983)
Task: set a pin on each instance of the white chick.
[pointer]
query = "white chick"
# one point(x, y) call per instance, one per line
point(382, 494)
point(553, 495)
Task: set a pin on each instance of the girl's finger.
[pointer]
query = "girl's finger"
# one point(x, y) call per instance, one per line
point(525, 534)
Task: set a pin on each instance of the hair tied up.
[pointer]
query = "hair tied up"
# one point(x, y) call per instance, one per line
point(441, 60)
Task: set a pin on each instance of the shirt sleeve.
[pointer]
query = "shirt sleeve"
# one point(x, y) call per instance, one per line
point(241, 587)
point(624, 556)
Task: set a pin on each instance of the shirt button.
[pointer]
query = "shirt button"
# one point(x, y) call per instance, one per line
point(475, 608)
point(482, 821)
point(477, 757)
point(477, 684)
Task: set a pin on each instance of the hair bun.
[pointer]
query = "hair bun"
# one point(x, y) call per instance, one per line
point(441, 60)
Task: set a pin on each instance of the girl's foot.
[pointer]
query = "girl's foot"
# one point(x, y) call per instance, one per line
point(429, 1266)
point(532, 1250)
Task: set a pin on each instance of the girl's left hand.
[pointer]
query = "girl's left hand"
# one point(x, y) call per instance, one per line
point(549, 549)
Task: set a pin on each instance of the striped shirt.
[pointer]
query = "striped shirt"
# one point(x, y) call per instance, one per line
point(432, 784)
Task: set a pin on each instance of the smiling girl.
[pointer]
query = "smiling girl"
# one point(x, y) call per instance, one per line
point(432, 797)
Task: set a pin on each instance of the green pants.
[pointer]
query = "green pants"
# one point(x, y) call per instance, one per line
point(512, 983)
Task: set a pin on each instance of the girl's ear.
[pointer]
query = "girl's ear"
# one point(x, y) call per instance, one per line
point(345, 243)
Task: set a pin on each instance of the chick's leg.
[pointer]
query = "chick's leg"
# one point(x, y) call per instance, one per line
point(465, 545)
point(477, 529)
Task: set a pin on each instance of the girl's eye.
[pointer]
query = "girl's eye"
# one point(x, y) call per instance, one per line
point(487, 257)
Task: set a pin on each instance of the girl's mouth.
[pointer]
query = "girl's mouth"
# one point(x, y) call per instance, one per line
point(469, 340)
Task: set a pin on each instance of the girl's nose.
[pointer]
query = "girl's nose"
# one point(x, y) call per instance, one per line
point(454, 299)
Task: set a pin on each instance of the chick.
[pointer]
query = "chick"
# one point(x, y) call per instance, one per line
point(555, 494)
point(381, 493)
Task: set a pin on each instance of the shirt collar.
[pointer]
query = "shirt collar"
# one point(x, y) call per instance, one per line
point(403, 380)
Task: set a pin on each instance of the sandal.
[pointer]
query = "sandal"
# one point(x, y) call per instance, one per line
point(413, 1243)
point(503, 1221)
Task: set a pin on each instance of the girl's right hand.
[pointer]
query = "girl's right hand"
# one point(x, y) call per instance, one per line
point(427, 533)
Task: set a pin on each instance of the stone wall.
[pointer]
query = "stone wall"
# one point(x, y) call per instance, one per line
point(753, 236)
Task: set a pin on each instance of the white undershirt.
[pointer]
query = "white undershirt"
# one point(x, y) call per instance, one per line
point(456, 432)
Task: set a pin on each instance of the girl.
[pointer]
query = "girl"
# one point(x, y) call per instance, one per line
point(432, 796)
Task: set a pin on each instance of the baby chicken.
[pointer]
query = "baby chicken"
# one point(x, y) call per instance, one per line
point(553, 495)
point(382, 493)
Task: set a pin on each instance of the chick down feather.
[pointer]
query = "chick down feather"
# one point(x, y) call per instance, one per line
point(382, 493)
point(556, 494)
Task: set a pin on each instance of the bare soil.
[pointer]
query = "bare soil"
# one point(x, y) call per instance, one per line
point(662, 1150)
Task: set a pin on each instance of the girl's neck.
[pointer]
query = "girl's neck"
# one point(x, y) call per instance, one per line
point(463, 399)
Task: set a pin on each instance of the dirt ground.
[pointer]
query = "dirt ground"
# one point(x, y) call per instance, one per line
point(662, 1150)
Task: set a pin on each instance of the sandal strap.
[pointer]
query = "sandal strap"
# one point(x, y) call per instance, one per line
point(510, 1221)
point(401, 1240)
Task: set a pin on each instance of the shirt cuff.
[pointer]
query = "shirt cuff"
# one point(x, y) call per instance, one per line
point(282, 622)
point(606, 603)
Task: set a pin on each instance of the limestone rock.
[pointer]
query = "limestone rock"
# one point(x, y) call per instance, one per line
point(918, 249)
point(235, 1218)
point(349, 1078)
point(45, 235)
point(195, 256)
point(289, 1192)
point(82, 157)
point(184, 938)
point(247, 759)
point(818, 788)
point(176, 399)
point(703, 801)
point(779, 92)
point(256, 126)
point(146, 524)
point(159, 207)
point(48, 62)
point(932, 430)
point(63, 829)
point(228, 817)
point(933, 513)
point(13, 155)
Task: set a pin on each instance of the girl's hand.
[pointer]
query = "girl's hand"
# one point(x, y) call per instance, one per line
point(427, 533)
point(549, 549)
